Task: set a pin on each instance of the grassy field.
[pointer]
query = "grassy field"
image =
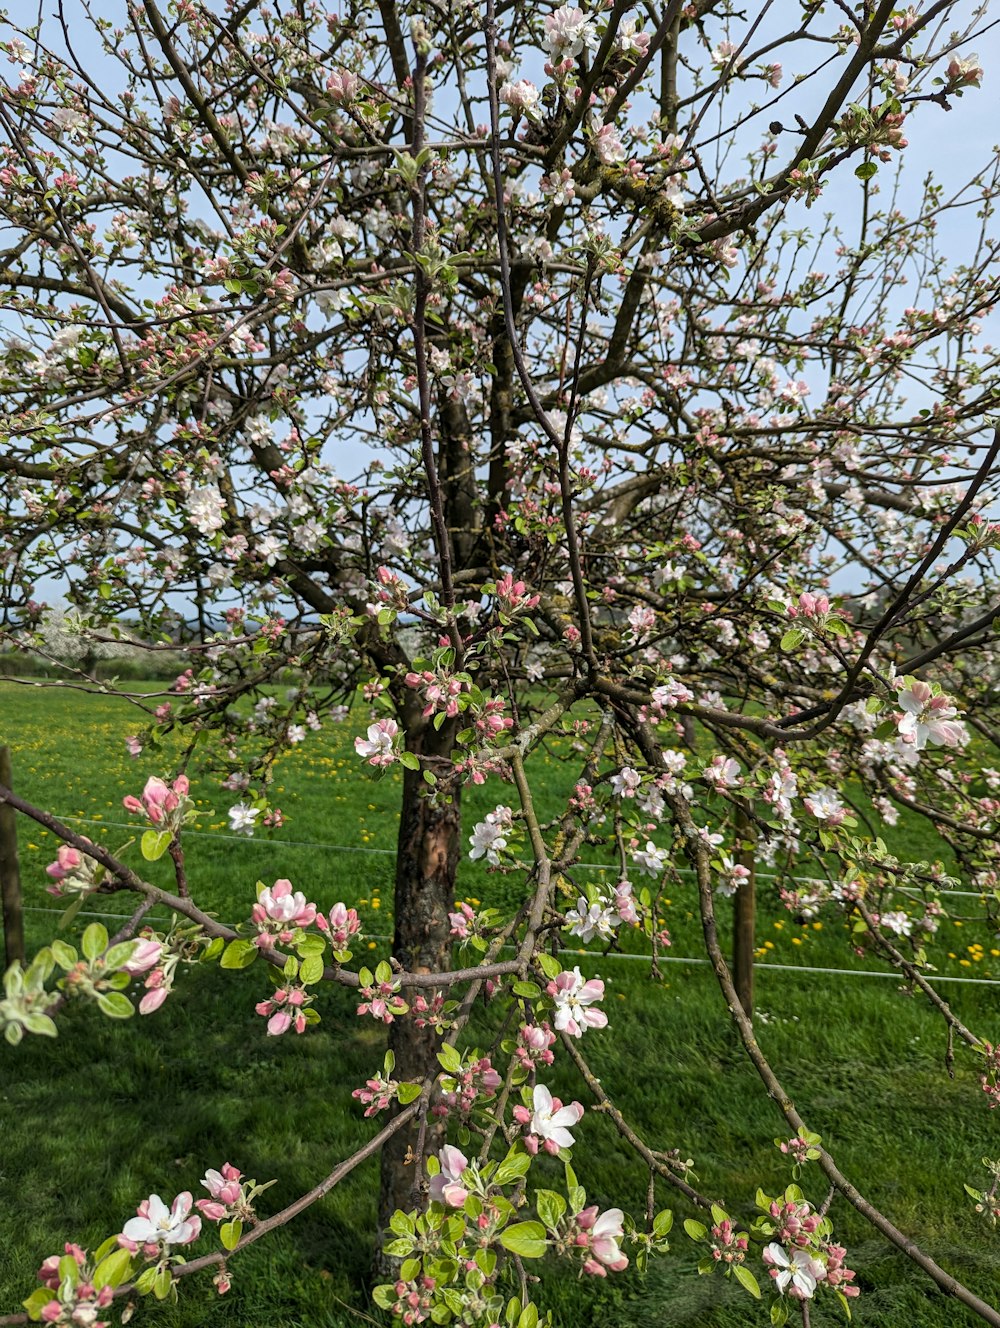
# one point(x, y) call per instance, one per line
point(96, 1121)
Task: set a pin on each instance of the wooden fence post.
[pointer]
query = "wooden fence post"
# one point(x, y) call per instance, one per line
point(10, 876)
point(744, 914)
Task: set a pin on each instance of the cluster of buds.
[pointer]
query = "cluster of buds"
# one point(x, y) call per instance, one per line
point(441, 690)
point(279, 912)
point(512, 598)
point(376, 1094)
point(231, 1198)
point(380, 994)
point(801, 1148)
point(490, 722)
point(728, 1245)
point(474, 1080)
point(462, 921)
point(990, 1078)
point(286, 1009)
point(75, 1299)
point(390, 590)
point(413, 1300)
point(166, 806)
point(73, 872)
point(810, 606)
point(432, 1013)
point(534, 1045)
point(795, 1222)
point(225, 1190)
point(340, 926)
point(155, 964)
point(597, 1235)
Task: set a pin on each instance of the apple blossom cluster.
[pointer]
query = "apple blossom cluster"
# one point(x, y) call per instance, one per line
point(380, 991)
point(929, 716)
point(470, 1082)
point(489, 837)
point(68, 1294)
point(600, 916)
point(165, 806)
point(547, 1122)
point(575, 999)
point(801, 1255)
point(73, 872)
point(279, 913)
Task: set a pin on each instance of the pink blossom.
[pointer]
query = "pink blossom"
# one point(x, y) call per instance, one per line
point(573, 998)
point(153, 999)
point(446, 1186)
point(68, 859)
point(160, 1225)
point(601, 1234)
point(146, 955)
point(279, 911)
point(550, 1120)
point(343, 923)
point(378, 749)
point(521, 97)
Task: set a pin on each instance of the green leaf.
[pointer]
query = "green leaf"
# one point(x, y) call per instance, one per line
point(399, 1249)
point(144, 1282)
point(65, 955)
point(95, 941)
point(550, 1206)
point(528, 1318)
point(238, 954)
point(549, 965)
point(529, 990)
point(866, 170)
point(746, 1279)
point(36, 1302)
point(719, 1215)
point(154, 843)
point(450, 1059)
point(113, 1269)
point(662, 1223)
point(408, 1093)
point(792, 639)
point(229, 1234)
point(779, 1314)
point(311, 970)
point(410, 760)
point(526, 1239)
point(696, 1230)
point(838, 627)
point(161, 1284)
point(487, 1261)
point(115, 1005)
point(40, 1024)
point(120, 954)
point(513, 1167)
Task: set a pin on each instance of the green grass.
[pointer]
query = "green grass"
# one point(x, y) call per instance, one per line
point(96, 1121)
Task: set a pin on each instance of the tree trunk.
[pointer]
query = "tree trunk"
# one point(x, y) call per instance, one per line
point(426, 864)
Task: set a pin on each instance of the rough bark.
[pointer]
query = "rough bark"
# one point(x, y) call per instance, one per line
point(426, 864)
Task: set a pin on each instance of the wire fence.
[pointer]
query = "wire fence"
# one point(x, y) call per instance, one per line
point(391, 852)
point(690, 960)
point(633, 958)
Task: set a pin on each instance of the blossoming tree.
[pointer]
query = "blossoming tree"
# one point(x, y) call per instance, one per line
point(499, 371)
